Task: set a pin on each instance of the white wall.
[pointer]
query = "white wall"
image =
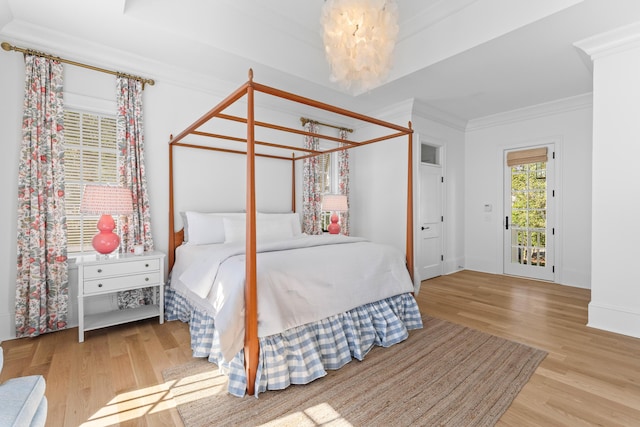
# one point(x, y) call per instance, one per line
point(379, 184)
point(566, 123)
point(379, 180)
point(12, 88)
point(615, 296)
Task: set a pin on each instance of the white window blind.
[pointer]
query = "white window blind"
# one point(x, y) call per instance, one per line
point(324, 161)
point(523, 157)
point(90, 157)
point(326, 166)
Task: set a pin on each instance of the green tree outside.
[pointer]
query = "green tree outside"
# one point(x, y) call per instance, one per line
point(529, 212)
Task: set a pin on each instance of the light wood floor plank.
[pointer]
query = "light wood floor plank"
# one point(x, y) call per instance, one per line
point(590, 377)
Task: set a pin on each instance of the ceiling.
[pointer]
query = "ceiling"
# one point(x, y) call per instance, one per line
point(466, 59)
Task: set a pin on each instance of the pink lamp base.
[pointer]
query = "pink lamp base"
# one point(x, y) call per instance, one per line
point(334, 227)
point(106, 241)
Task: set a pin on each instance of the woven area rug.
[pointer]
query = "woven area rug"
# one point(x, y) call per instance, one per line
point(443, 374)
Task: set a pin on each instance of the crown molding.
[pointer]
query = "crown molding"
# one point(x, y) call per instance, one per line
point(611, 42)
point(394, 110)
point(34, 37)
point(563, 105)
point(429, 112)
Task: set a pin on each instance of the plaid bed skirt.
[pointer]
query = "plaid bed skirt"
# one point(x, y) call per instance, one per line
point(304, 353)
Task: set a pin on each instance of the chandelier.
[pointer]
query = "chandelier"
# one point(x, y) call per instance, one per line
point(359, 37)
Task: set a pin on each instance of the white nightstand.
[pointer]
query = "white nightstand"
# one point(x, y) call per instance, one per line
point(119, 273)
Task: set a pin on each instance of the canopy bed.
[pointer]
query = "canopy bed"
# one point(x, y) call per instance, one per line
point(263, 308)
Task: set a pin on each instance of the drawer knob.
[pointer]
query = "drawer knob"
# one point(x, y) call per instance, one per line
point(146, 279)
point(146, 265)
point(99, 285)
point(99, 270)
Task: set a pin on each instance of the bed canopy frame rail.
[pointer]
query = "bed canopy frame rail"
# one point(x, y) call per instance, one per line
point(248, 89)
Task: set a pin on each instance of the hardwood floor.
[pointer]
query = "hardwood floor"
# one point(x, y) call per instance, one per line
point(113, 378)
point(590, 377)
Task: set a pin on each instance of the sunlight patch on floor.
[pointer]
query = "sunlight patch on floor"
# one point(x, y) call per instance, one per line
point(199, 386)
point(135, 404)
point(138, 403)
point(319, 415)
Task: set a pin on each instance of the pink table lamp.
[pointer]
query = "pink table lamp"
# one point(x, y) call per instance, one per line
point(106, 200)
point(334, 203)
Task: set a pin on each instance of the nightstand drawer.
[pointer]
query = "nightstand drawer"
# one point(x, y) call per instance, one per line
point(120, 268)
point(110, 284)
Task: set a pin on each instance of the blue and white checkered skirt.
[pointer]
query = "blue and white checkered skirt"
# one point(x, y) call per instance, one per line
point(304, 353)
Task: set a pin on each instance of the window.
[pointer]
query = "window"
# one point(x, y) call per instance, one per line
point(328, 182)
point(429, 154)
point(90, 157)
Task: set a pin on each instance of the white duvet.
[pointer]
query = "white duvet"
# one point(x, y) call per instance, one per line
point(300, 280)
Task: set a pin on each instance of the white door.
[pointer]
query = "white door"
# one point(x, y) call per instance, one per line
point(528, 218)
point(430, 258)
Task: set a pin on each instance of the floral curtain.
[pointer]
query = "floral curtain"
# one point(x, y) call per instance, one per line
point(311, 197)
point(136, 228)
point(42, 285)
point(343, 183)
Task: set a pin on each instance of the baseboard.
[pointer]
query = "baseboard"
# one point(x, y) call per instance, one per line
point(453, 265)
point(621, 320)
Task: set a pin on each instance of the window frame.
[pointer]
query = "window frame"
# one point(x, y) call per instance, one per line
point(102, 109)
point(325, 216)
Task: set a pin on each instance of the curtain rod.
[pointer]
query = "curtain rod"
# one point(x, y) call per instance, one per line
point(6, 46)
point(305, 120)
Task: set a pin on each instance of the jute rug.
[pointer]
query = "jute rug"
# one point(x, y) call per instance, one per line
point(443, 374)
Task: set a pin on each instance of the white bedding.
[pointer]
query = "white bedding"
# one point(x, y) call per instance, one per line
point(300, 280)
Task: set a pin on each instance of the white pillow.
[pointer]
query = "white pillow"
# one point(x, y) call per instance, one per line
point(292, 217)
point(266, 229)
point(206, 228)
point(234, 230)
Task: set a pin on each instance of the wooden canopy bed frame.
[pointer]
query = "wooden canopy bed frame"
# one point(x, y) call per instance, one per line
point(248, 89)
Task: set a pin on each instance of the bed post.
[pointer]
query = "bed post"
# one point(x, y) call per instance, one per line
point(293, 182)
point(409, 238)
point(172, 243)
point(251, 344)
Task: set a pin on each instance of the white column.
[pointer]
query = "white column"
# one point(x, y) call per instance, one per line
point(615, 263)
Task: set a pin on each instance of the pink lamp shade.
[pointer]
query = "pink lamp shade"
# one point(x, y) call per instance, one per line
point(106, 200)
point(334, 203)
